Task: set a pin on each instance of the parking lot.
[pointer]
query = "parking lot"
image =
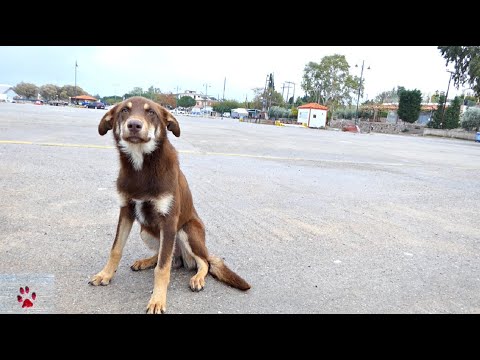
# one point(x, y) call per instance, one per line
point(316, 221)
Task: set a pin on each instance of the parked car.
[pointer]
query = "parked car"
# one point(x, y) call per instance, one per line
point(38, 102)
point(95, 105)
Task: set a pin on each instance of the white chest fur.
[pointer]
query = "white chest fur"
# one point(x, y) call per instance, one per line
point(161, 205)
point(139, 213)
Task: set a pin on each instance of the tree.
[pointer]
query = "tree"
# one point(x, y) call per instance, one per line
point(436, 121)
point(110, 100)
point(166, 100)
point(329, 82)
point(435, 97)
point(257, 102)
point(300, 101)
point(466, 61)
point(389, 96)
point(469, 100)
point(137, 91)
point(151, 93)
point(186, 101)
point(452, 114)
point(409, 105)
point(26, 90)
point(276, 98)
point(49, 91)
point(471, 119)
point(226, 106)
point(70, 90)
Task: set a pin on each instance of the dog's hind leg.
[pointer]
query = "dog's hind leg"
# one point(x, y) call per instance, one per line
point(192, 242)
point(153, 243)
point(177, 260)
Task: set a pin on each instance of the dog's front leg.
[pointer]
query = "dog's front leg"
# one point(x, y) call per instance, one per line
point(125, 222)
point(158, 300)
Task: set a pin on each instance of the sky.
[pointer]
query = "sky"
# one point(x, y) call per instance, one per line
point(116, 70)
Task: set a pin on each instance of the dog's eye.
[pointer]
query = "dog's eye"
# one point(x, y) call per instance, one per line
point(125, 110)
point(151, 112)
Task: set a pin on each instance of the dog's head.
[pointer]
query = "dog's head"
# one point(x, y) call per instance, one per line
point(138, 120)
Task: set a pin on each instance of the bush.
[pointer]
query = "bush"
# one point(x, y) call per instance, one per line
point(294, 113)
point(471, 119)
point(382, 113)
point(345, 114)
point(278, 112)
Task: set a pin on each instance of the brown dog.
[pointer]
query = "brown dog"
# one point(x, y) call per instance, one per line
point(153, 190)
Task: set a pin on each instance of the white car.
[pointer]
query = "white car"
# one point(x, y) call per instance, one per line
point(226, 114)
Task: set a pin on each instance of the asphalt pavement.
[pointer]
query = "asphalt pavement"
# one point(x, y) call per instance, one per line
point(316, 221)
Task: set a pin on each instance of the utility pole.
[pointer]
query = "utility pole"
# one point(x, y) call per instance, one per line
point(359, 87)
point(206, 97)
point(75, 89)
point(288, 91)
point(446, 97)
point(264, 100)
point(224, 82)
point(293, 102)
point(271, 86)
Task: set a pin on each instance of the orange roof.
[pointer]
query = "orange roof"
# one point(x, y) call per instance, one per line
point(313, 106)
point(84, 97)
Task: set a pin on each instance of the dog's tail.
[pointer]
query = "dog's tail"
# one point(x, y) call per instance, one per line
point(221, 272)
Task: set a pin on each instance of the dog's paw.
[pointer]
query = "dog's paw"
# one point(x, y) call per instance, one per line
point(143, 264)
point(197, 283)
point(102, 278)
point(156, 306)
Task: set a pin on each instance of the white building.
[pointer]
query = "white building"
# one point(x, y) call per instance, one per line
point(6, 93)
point(200, 99)
point(239, 113)
point(312, 115)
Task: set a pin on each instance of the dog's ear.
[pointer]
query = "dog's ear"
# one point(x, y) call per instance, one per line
point(107, 121)
point(172, 123)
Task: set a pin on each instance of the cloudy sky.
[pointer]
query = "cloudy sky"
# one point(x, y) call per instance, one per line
point(118, 69)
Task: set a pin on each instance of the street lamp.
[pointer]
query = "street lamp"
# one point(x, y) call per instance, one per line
point(359, 87)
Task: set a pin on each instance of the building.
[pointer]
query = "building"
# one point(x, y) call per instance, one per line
point(312, 115)
point(239, 113)
point(6, 93)
point(82, 98)
point(254, 113)
point(200, 99)
point(426, 112)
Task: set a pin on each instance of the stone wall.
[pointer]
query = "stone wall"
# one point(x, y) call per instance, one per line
point(455, 133)
point(380, 127)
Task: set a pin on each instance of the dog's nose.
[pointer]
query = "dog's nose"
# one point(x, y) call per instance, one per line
point(134, 125)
